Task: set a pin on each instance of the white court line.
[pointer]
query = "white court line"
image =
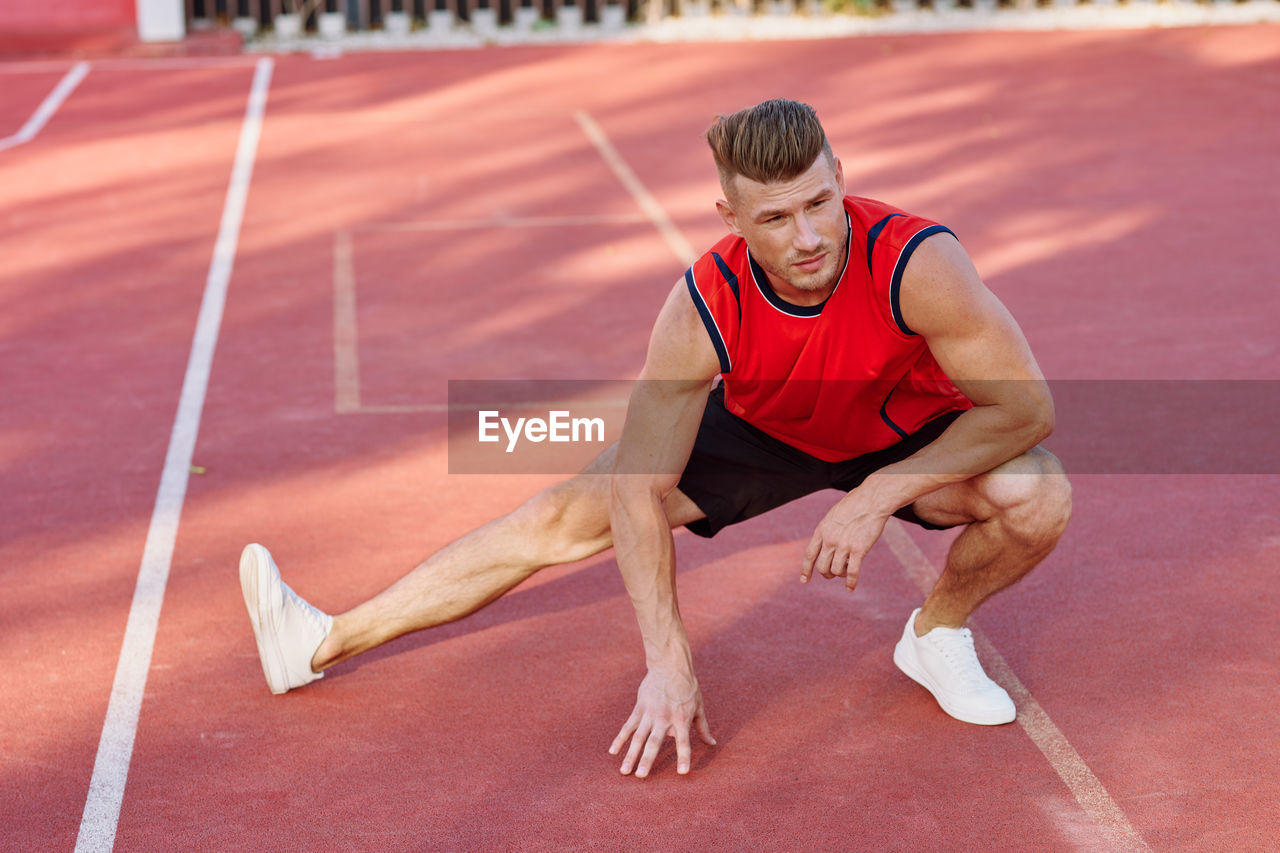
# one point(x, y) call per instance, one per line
point(159, 63)
point(507, 222)
point(345, 340)
point(115, 748)
point(47, 107)
point(1062, 757)
point(346, 337)
point(657, 215)
point(1052, 743)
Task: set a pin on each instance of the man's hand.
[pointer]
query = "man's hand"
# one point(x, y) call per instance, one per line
point(842, 540)
point(668, 702)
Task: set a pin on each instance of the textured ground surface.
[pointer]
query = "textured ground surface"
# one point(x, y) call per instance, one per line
point(1114, 190)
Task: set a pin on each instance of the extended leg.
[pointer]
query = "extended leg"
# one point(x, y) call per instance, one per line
point(563, 523)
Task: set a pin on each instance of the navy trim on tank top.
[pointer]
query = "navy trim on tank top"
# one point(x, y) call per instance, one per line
point(709, 321)
point(896, 284)
point(729, 277)
point(731, 280)
point(873, 234)
point(884, 416)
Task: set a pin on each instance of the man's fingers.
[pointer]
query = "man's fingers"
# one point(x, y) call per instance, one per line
point(617, 742)
point(703, 727)
point(823, 564)
point(637, 741)
point(684, 751)
point(651, 747)
point(810, 554)
point(851, 579)
point(627, 728)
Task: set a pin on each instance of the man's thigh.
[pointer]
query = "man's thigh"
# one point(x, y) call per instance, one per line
point(737, 471)
point(980, 498)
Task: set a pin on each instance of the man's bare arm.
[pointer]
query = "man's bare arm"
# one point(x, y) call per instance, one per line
point(662, 422)
point(980, 347)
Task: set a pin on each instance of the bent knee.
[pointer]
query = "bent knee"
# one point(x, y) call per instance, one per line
point(569, 520)
point(1033, 496)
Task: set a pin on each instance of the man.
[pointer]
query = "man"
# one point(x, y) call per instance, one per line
point(858, 350)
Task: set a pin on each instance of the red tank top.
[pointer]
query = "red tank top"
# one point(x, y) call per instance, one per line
point(838, 379)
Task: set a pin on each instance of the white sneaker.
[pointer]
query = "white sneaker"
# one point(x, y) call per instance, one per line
point(288, 629)
point(944, 663)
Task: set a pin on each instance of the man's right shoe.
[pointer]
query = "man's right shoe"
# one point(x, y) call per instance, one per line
point(288, 629)
point(944, 662)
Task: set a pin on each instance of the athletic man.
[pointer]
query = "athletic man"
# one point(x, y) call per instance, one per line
point(859, 351)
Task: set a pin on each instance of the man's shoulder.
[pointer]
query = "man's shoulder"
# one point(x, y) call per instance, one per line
point(890, 232)
point(723, 262)
point(730, 246)
point(869, 212)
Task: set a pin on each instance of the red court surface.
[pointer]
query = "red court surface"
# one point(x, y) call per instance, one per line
point(416, 218)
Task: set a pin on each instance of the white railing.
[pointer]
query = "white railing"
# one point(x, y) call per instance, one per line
point(401, 16)
point(278, 19)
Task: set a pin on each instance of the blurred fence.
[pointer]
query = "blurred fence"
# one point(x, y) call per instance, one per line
point(393, 15)
point(288, 18)
point(501, 19)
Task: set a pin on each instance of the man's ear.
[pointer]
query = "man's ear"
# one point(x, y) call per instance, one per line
point(730, 218)
point(840, 176)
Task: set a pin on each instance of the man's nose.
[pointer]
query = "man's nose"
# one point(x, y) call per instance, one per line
point(806, 239)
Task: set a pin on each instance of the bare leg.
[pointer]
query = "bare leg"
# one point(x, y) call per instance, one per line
point(1015, 514)
point(563, 523)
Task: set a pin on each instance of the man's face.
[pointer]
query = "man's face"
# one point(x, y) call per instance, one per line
point(795, 229)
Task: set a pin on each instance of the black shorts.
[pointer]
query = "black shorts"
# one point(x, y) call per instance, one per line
point(737, 471)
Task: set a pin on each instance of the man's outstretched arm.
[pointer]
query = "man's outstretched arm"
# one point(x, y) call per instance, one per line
point(662, 422)
point(980, 347)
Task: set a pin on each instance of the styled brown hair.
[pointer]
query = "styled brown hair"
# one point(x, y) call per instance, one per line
point(776, 140)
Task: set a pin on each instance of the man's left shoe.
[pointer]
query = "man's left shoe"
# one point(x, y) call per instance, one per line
point(944, 662)
point(287, 628)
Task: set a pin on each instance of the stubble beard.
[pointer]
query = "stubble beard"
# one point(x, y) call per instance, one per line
point(820, 280)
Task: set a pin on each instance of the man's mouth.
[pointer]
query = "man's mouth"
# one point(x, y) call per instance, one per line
point(811, 265)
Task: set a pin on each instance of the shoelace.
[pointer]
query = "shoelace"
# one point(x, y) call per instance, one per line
point(311, 613)
point(957, 648)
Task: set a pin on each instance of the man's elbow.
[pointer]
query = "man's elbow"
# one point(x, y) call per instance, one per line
point(630, 490)
point(624, 489)
point(1040, 417)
